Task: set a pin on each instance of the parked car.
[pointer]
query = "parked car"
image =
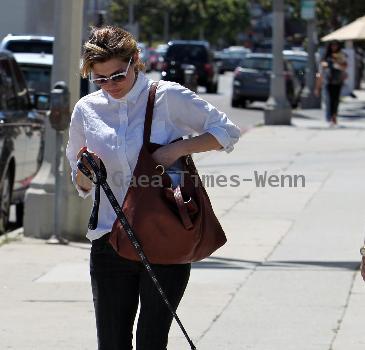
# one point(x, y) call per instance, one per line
point(21, 137)
point(251, 81)
point(156, 56)
point(231, 57)
point(37, 69)
point(34, 54)
point(144, 54)
point(161, 49)
point(152, 58)
point(193, 53)
point(218, 58)
point(28, 43)
point(299, 60)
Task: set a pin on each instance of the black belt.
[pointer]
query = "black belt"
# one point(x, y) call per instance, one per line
point(99, 179)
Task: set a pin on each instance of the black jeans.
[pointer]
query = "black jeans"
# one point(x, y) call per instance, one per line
point(334, 92)
point(117, 286)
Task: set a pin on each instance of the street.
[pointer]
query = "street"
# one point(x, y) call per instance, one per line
point(244, 118)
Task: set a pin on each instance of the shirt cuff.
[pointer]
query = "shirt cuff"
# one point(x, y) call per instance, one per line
point(82, 193)
point(222, 137)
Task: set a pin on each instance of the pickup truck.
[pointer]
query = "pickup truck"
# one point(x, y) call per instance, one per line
point(21, 138)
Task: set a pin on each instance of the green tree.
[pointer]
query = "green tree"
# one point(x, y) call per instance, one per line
point(331, 14)
point(213, 20)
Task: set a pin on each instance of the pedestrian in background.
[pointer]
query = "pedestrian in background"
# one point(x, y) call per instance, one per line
point(110, 123)
point(331, 75)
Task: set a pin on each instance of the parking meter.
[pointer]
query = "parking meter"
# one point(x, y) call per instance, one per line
point(60, 107)
point(59, 118)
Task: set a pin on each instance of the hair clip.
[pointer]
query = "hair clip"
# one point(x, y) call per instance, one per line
point(95, 48)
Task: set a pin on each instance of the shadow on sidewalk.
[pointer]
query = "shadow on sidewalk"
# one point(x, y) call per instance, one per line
point(238, 264)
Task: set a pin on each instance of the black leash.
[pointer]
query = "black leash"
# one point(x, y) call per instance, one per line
point(99, 179)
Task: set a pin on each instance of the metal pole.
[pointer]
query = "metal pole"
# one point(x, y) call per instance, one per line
point(133, 26)
point(277, 110)
point(64, 49)
point(66, 67)
point(166, 25)
point(131, 13)
point(58, 188)
point(56, 237)
point(308, 98)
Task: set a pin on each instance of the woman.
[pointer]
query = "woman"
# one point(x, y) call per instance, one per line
point(332, 74)
point(109, 122)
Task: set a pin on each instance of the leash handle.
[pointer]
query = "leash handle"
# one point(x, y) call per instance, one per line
point(100, 175)
point(99, 179)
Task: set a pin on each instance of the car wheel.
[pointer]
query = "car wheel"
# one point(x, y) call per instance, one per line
point(5, 200)
point(290, 98)
point(19, 214)
point(235, 103)
point(212, 88)
point(215, 88)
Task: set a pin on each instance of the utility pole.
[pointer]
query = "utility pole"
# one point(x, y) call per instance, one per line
point(41, 195)
point(131, 13)
point(132, 26)
point(277, 110)
point(308, 97)
point(166, 26)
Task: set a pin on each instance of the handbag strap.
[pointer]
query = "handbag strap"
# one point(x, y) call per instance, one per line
point(99, 179)
point(149, 113)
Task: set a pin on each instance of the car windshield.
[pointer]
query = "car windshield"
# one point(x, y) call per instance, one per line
point(235, 54)
point(298, 63)
point(187, 53)
point(259, 63)
point(32, 46)
point(37, 78)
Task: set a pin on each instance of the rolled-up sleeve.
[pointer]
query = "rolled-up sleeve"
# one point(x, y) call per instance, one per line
point(76, 140)
point(190, 113)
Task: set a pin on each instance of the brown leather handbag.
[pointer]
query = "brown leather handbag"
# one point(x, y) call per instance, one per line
point(173, 224)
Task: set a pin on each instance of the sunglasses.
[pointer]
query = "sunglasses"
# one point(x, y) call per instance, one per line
point(118, 77)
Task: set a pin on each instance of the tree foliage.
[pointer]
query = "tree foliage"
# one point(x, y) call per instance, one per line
point(221, 22)
point(331, 14)
point(218, 21)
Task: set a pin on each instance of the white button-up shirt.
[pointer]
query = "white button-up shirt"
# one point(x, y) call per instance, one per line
point(113, 129)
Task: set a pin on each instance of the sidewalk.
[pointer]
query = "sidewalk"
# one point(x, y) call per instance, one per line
point(351, 111)
point(287, 278)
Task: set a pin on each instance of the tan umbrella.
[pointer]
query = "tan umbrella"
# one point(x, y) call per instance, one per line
point(352, 31)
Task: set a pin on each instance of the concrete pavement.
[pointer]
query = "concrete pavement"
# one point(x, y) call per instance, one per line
point(287, 278)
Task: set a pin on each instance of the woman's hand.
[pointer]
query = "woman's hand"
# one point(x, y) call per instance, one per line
point(82, 181)
point(168, 154)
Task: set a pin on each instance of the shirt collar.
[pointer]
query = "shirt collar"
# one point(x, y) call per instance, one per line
point(133, 93)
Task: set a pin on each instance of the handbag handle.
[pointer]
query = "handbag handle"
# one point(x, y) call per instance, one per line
point(183, 211)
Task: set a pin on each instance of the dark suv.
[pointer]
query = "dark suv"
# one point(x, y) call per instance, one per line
point(21, 138)
point(190, 52)
point(252, 79)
